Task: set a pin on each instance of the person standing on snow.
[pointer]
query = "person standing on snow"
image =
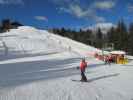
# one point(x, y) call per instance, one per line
point(107, 60)
point(83, 65)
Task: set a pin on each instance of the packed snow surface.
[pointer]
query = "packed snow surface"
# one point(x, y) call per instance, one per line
point(38, 65)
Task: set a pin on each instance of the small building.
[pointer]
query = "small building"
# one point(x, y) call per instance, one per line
point(119, 57)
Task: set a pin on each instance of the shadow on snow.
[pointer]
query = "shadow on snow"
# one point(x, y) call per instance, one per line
point(98, 78)
point(25, 72)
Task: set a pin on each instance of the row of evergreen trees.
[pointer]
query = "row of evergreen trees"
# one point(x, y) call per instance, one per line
point(121, 36)
point(7, 24)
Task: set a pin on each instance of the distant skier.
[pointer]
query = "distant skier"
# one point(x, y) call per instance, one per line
point(69, 48)
point(107, 59)
point(83, 65)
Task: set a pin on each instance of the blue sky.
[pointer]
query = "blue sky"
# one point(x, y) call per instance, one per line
point(66, 13)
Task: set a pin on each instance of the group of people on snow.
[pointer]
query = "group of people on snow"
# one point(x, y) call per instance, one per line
point(108, 59)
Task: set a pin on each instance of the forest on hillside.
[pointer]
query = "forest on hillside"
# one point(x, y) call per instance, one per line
point(120, 36)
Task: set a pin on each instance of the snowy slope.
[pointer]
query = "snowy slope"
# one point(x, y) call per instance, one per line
point(38, 65)
point(28, 40)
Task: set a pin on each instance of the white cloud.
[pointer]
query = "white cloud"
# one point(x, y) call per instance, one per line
point(1, 1)
point(65, 2)
point(105, 27)
point(104, 5)
point(62, 9)
point(41, 18)
point(99, 19)
point(11, 2)
point(75, 8)
point(130, 8)
point(77, 11)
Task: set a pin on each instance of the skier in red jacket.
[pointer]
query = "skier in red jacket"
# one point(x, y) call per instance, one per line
point(83, 65)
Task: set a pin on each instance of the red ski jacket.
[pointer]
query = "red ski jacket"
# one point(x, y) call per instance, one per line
point(83, 65)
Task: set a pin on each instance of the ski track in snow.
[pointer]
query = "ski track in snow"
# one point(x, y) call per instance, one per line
point(38, 65)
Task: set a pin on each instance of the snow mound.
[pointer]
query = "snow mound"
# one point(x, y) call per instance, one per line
point(27, 41)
